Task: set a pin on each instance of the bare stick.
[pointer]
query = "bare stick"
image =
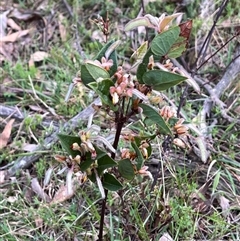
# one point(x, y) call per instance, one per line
point(208, 38)
point(24, 162)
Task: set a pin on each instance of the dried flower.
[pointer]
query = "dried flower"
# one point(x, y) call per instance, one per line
point(143, 147)
point(105, 63)
point(162, 23)
point(151, 62)
point(87, 137)
point(70, 161)
point(126, 153)
point(123, 87)
point(182, 142)
point(179, 128)
point(167, 112)
point(178, 142)
point(143, 171)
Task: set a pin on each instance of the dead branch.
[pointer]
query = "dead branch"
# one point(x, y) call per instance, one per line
point(24, 162)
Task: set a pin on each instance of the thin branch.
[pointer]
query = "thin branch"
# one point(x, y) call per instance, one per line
point(234, 36)
point(204, 47)
point(26, 161)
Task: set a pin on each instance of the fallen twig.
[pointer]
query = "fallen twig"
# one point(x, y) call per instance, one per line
point(24, 162)
point(16, 113)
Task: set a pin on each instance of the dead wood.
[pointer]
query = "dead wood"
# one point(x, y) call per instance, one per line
point(24, 162)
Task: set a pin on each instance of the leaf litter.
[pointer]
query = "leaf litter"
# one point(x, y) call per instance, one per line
point(10, 50)
point(6, 133)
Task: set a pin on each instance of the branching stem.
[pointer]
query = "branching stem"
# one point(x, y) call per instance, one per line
point(120, 120)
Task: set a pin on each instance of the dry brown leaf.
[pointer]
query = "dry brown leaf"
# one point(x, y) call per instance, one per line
point(37, 56)
point(166, 237)
point(24, 15)
point(11, 199)
point(3, 24)
point(4, 136)
point(6, 50)
point(62, 195)
point(62, 29)
point(11, 23)
point(39, 191)
point(39, 222)
point(72, 184)
point(224, 203)
point(2, 176)
point(14, 36)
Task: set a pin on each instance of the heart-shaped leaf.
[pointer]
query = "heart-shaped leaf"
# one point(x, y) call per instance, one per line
point(104, 163)
point(67, 141)
point(142, 68)
point(111, 183)
point(85, 164)
point(108, 51)
point(125, 168)
point(102, 89)
point(155, 117)
point(91, 72)
point(163, 42)
point(177, 48)
point(162, 80)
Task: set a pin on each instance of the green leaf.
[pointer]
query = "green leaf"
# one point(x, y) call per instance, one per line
point(177, 48)
point(216, 180)
point(142, 67)
point(139, 53)
point(111, 183)
point(140, 159)
point(91, 72)
point(125, 168)
point(161, 80)
point(139, 139)
point(155, 117)
point(67, 141)
point(163, 42)
point(102, 89)
point(85, 164)
point(104, 163)
point(113, 55)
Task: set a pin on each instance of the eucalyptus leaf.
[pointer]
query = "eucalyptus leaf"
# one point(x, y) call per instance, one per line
point(141, 21)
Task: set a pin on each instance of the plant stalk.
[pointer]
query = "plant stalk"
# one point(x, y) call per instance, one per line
point(120, 123)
